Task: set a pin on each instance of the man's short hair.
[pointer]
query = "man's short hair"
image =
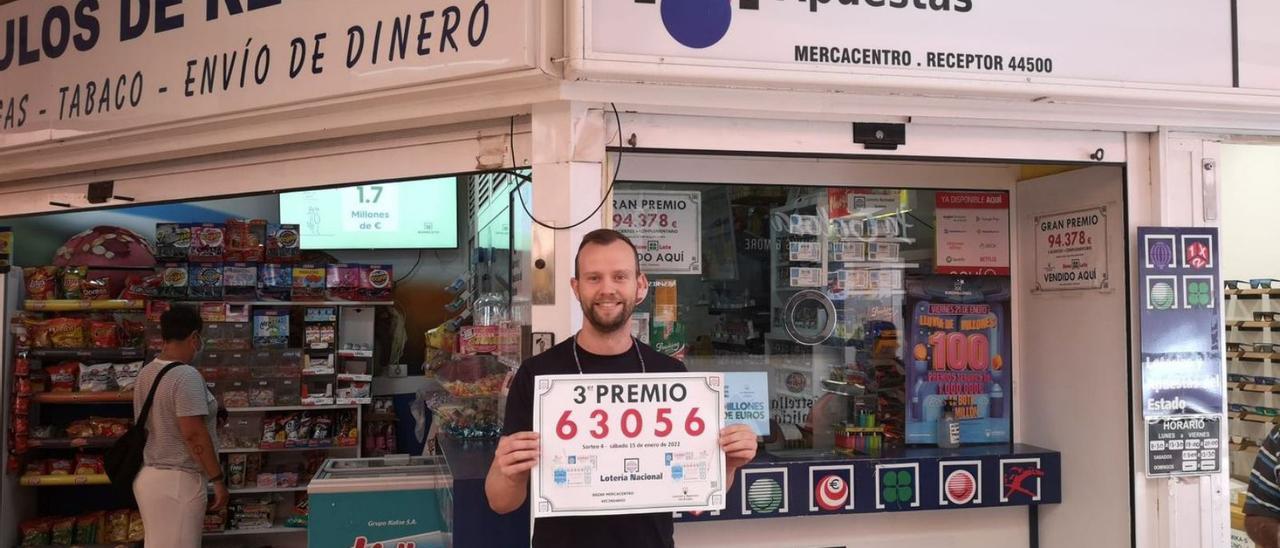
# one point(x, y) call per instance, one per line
point(180, 322)
point(604, 236)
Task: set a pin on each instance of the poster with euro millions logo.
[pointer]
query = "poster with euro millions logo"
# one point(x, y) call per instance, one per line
point(957, 350)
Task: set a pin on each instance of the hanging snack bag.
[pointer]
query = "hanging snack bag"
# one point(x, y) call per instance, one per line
point(275, 282)
point(173, 241)
point(283, 243)
point(173, 281)
point(63, 531)
point(141, 287)
point(72, 278)
point(376, 282)
point(136, 532)
point(308, 283)
point(104, 334)
point(90, 528)
point(62, 377)
point(66, 333)
point(41, 282)
point(343, 282)
point(240, 281)
point(118, 526)
point(96, 378)
point(205, 281)
point(208, 243)
point(126, 374)
point(235, 470)
point(36, 532)
point(133, 332)
point(245, 239)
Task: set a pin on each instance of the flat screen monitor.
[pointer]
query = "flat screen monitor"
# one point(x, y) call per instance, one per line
point(410, 214)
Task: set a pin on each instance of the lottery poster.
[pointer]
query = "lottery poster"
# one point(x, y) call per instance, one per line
point(957, 349)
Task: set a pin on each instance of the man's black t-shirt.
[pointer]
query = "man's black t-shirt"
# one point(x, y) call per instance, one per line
point(639, 530)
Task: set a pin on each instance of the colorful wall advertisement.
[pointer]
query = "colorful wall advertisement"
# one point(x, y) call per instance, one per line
point(973, 233)
point(958, 349)
point(1181, 322)
point(665, 226)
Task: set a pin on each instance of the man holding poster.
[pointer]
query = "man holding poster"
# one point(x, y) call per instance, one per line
point(609, 285)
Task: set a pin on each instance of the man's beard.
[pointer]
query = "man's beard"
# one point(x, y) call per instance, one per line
point(608, 325)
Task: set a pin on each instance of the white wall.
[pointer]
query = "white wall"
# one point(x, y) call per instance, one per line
point(1250, 181)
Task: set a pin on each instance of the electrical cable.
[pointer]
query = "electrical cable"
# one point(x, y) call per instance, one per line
point(411, 270)
point(616, 169)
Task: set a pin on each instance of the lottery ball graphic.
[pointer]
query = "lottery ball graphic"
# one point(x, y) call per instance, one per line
point(764, 495)
point(1161, 254)
point(997, 362)
point(961, 487)
point(832, 493)
point(697, 23)
point(1161, 295)
point(920, 352)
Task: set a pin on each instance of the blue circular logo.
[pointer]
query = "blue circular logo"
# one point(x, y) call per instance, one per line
point(697, 23)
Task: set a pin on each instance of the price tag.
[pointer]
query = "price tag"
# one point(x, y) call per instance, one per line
point(628, 444)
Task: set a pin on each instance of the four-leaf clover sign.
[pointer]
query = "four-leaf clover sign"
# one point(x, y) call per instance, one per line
point(898, 487)
point(1198, 294)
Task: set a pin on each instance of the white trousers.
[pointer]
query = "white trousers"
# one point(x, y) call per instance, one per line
point(172, 503)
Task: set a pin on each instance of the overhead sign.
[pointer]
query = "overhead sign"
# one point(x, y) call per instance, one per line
point(665, 226)
point(1137, 41)
point(1181, 321)
point(74, 67)
point(1071, 250)
point(1182, 446)
point(628, 444)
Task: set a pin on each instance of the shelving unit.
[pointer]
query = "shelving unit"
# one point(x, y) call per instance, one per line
point(1260, 369)
point(279, 529)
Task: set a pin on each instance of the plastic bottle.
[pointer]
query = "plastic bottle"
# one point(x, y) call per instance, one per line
point(948, 428)
point(997, 402)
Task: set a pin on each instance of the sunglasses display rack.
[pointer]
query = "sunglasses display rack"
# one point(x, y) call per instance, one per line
point(1252, 337)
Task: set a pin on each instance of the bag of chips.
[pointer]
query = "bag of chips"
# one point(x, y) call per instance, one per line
point(62, 531)
point(41, 282)
point(62, 377)
point(72, 277)
point(90, 528)
point(104, 427)
point(96, 289)
point(36, 532)
point(141, 287)
point(88, 465)
point(37, 332)
point(60, 467)
point(104, 334)
point(81, 429)
point(126, 374)
point(96, 378)
point(66, 332)
point(118, 526)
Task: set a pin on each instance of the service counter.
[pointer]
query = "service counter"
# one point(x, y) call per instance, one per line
point(807, 482)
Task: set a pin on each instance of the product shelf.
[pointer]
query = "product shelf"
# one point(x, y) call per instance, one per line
point(1255, 388)
point(1253, 326)
point(64, 480)
point(279, 529)
point(98, 354)
point(71, 443)
point(1254, 356)
point(265, 490)
point(82, 398)
point(1253, 417)
point(1252, 293)
point(289, 408)
point(67, 305)
point(287, 449)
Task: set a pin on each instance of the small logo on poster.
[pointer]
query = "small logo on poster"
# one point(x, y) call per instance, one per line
point(1020, 480)
point(764, 491)
point(1197, 252)
point(631, 466)
point(1160, 252)
point(897, 486)
point(1197, 292)
point(1161, 292)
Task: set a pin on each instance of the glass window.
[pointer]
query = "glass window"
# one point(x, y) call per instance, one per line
point(868, 338)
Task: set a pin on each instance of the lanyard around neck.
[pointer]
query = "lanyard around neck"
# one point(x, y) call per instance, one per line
point(634, 344)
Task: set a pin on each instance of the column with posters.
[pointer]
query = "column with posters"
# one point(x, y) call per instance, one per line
point(973, 233)
point(959, 351)
point(1182, 359)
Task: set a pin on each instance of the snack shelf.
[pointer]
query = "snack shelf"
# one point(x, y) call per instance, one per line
point(67, 305)
point(265, 490)
point(75, 398)
point(71, 443)
point(64, 480)
point(289, 408)
point(101, 354)
point(279, 529)
point(288, 449)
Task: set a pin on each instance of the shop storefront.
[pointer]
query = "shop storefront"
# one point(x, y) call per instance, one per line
point(899, 230)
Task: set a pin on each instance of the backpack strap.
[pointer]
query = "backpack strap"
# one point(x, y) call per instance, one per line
point(146, 407)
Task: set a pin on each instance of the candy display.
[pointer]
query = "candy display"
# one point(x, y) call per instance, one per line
point(308, 283)
point(375, 282)
point(270, 328)
point(275, 282)
point(208, 243)
point(173, 281)
point(204, 281)
point(342, 281)
point(283, 243)
point(251, 513)
point(173, 241)
point(245, 240)
point(240, 281)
